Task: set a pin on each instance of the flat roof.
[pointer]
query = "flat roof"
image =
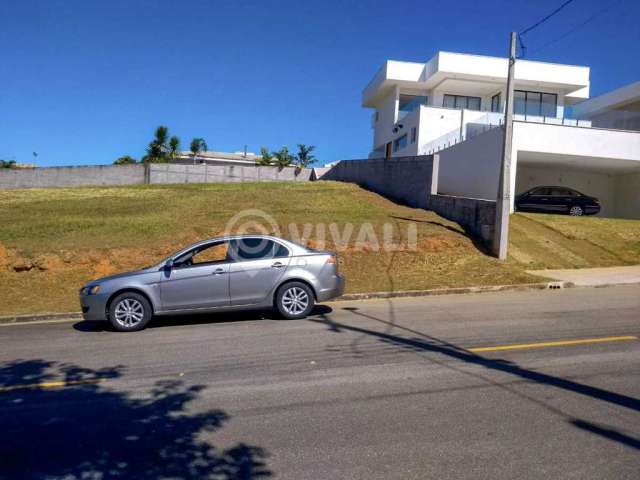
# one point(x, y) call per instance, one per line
point(613, 99)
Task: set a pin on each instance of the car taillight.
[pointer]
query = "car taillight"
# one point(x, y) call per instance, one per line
point(332, 260)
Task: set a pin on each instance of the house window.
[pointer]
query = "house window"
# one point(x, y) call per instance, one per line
point(408, 103)
point(400, 143)
point(461, 101)
point(535, 103)
point(413, 135)
point(495, 102)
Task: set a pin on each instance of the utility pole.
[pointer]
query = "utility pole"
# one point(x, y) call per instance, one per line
point(503, 201)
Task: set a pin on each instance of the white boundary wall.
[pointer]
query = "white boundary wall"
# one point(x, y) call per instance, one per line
point(158, 173)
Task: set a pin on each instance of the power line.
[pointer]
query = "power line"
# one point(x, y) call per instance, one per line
point(580, 25)
point(541, 21)
point(523, 48)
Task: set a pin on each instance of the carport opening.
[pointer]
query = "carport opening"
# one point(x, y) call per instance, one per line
point(616, 183)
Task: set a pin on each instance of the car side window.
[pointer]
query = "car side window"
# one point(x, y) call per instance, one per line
point(540, 191)
point(560, 192)
point(256, 249)
point(280, 250)
point(216, 252)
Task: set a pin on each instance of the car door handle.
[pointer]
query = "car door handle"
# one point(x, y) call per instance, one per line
point(278, 265)
point(218, 271)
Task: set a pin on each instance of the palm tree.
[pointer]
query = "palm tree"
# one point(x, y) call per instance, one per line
point(162, 133)
point(304, 158)
point(266, 158)
point(157, 149)
point(282, 158)
point(198, 145)
point(174, 145)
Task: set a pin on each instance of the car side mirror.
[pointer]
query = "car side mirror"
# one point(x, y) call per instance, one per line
point(169, 264)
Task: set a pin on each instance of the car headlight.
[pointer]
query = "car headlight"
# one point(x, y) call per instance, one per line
point(90, 290)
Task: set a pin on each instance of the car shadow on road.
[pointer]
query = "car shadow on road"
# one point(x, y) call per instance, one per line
point(199, 319)
point(64, 421)
point(423, 343)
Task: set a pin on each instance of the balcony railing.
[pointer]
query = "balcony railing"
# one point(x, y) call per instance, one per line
point(613, 120)
point(571, 122)
point(472, 128)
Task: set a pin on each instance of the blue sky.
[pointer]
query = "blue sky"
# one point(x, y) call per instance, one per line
point(86, 81)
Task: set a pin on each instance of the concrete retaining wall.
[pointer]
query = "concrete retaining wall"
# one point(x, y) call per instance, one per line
point(112, 175)
point(414, 182)
point(173, 173)
point(472, 168)
point(476, 216)
point(99, 175)
point(406, 179)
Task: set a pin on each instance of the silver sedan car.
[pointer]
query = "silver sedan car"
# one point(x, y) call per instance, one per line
point(234, 272)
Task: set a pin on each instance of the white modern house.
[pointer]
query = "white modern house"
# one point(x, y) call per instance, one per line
point(245, 159)
point(454, 105)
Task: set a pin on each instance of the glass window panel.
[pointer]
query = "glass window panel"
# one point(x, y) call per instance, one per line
point(449, 101)
point(495, 102)
point(519, 100)
point(408, 103)
point(400, 143)
point(549, 104)
point(473, 103)
point(533, 103)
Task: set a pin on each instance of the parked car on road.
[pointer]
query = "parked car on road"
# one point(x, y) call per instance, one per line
point(234, 272)
point(557, 200)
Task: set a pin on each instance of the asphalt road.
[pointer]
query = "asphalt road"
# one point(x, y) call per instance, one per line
point(362, 390)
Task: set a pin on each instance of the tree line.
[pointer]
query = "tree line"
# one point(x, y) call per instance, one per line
point(7, 163)
point(164, 148)
point(283, 158)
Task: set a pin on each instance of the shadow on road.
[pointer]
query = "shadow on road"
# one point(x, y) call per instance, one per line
point(87, 430)
point(422, 342)
point(199, 319)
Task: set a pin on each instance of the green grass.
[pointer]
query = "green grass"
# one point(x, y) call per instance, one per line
point(81, 233)
point(560, 241)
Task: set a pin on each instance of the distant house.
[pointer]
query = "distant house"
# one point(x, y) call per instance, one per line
point(454, 105)
point(619, 109)
point(218, 158)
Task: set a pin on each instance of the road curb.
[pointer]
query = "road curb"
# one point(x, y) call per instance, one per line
point(43, 317)
point(456, 291)
point(74, 316)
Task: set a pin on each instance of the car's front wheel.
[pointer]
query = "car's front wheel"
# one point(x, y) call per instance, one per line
point(576, 211)
point(129, 312)
point(294, 300)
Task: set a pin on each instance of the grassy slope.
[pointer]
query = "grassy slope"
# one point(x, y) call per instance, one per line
point(78, 234)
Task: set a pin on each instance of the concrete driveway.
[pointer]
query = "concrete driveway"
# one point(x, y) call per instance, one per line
point(593, 277)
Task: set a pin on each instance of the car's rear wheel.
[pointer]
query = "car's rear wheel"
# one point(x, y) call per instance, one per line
point(576, 211)
point(294, 300)
point(129, 312)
